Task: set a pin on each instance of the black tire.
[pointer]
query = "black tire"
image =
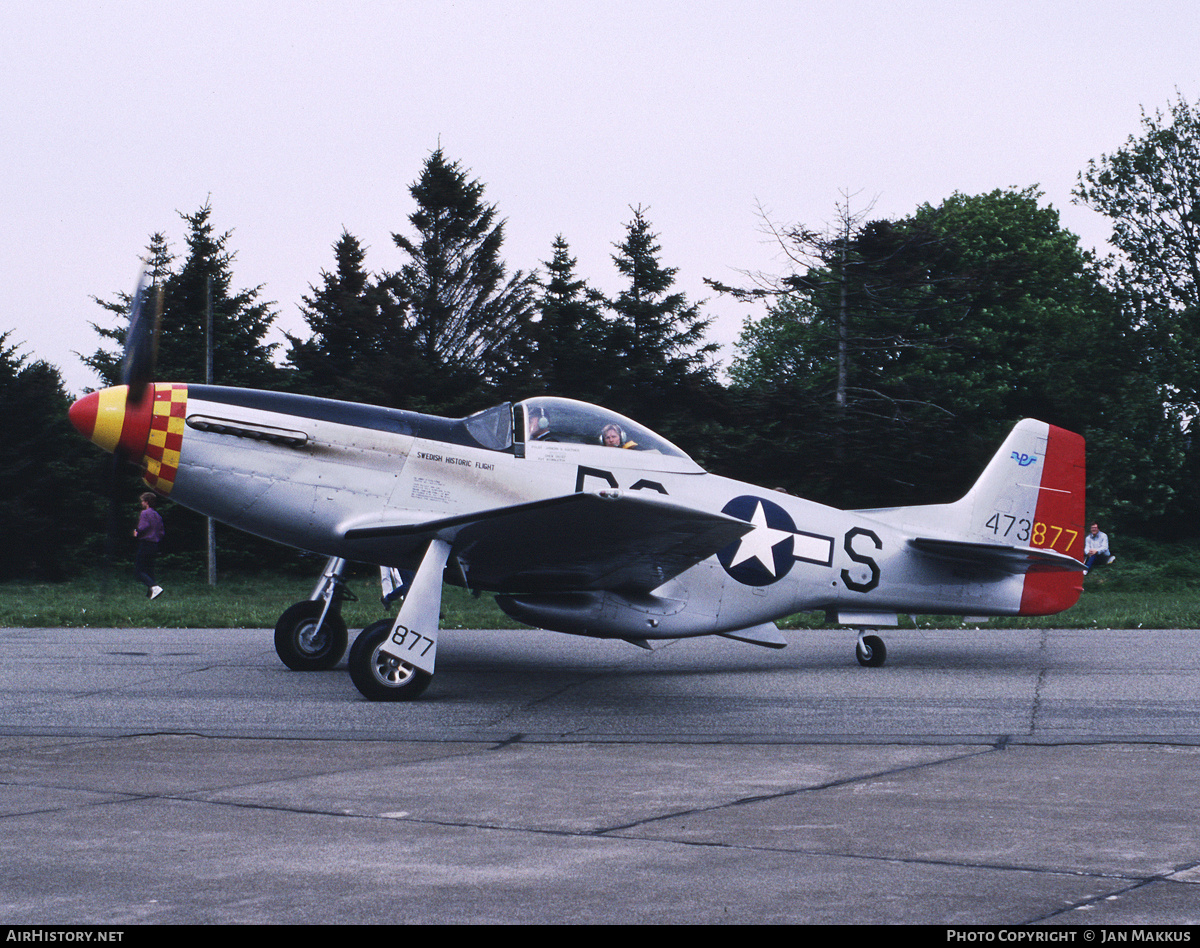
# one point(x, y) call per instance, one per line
point(382, 677)
point(870, 651)
point(301, 645)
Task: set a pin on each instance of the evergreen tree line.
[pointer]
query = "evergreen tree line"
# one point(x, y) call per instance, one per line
point(891, 360)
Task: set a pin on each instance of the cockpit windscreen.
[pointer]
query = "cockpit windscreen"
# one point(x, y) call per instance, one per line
point(564, 420)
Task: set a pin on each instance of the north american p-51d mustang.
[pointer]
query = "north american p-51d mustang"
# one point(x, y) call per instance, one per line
point(579, 521)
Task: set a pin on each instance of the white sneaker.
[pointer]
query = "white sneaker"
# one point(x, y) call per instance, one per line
point(155, 592)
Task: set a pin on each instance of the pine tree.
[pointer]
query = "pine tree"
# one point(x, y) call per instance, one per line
point(574, 355)
point(106, 363)
point(659, 334)
point(354, 323)
point(241, 357)
point(468, 320)
point(240, 320)
point(49, 511)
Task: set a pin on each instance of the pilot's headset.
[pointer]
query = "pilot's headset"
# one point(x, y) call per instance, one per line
point(613, 426)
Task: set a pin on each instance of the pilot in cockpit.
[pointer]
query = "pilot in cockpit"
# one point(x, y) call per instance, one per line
point(611, 436)
point(539, 425)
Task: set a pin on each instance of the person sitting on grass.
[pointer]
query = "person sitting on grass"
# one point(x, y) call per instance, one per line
point(1095, 549)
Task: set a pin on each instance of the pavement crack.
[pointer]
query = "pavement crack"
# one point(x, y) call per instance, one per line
point(1084, 904)
point(793, 792)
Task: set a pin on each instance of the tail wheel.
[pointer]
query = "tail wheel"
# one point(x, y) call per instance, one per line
point(305, 643)
point(870, 652)
point(379, 676)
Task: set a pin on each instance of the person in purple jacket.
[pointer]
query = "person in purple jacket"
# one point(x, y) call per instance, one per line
point(149, 533)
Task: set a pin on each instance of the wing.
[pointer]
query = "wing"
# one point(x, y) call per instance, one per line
point(581, 541)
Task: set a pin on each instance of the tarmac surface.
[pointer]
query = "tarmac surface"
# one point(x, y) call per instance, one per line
point(981, 777)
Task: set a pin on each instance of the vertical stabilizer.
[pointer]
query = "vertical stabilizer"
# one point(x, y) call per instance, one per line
point(1024, 515)
point(1031, 495)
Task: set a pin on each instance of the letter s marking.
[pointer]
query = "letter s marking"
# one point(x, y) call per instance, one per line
point(848, 545)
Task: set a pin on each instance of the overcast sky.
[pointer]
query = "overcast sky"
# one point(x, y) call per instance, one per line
point(298, 119)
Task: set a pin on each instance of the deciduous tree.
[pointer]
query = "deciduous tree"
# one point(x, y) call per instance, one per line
point(1150, 191)
point(952, 324)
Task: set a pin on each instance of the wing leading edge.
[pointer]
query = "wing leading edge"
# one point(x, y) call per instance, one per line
point(583, 541)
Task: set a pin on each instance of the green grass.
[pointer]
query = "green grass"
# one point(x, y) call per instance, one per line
point(1150, 586)
point(234, 602)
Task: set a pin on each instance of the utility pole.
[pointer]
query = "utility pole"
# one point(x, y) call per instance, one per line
point(208, 380)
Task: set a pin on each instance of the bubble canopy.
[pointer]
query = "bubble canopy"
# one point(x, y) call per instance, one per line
point(567, 421)
point(550, 420)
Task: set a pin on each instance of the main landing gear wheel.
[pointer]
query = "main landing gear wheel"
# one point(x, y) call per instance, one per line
point(870, 651)
point(379, 676)
point(302, 644)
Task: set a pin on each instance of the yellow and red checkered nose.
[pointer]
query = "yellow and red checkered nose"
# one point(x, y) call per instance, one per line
point(149, 432)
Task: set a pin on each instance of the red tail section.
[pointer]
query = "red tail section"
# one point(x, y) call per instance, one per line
point(1058, 525)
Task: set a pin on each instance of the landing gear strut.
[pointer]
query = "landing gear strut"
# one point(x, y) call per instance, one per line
point(311, 635)
point(870, 651)
point(393, 660)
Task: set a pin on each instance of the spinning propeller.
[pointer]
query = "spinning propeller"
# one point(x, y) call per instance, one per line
point(141, 342)
point(118, 418)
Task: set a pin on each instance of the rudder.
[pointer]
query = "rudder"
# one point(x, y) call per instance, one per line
point(1058, 524)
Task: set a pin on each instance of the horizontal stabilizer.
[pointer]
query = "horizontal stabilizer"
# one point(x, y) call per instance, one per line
point(1008, 559)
